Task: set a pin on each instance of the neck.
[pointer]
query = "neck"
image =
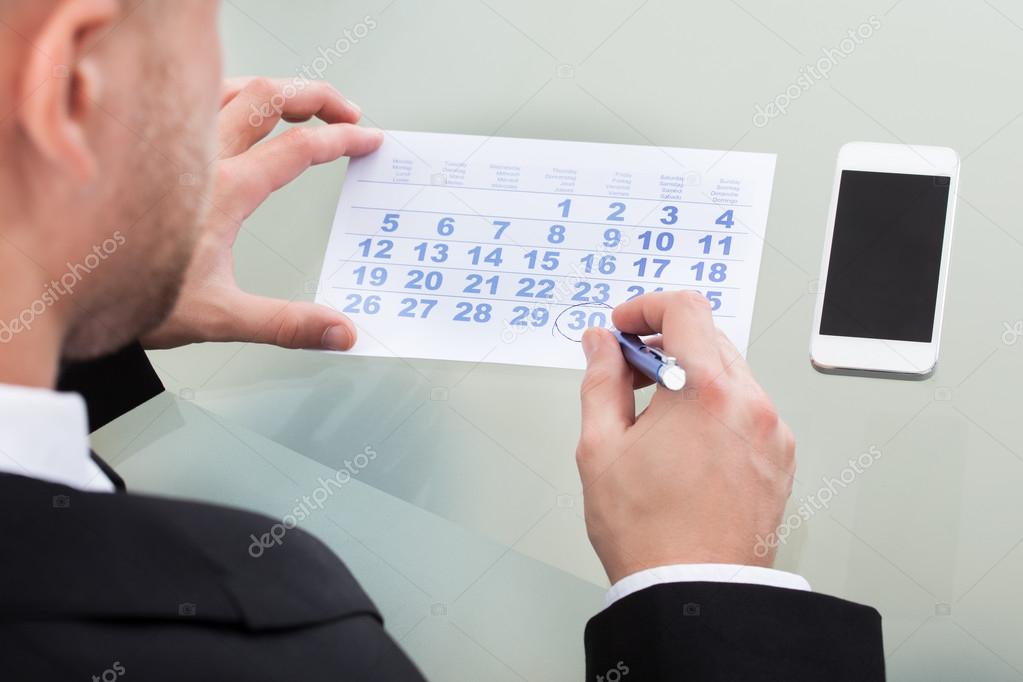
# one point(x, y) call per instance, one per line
point(32, 323)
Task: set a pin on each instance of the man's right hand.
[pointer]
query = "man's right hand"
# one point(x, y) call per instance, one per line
point(702, 473)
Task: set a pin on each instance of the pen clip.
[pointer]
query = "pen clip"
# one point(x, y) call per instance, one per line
point(661, 355)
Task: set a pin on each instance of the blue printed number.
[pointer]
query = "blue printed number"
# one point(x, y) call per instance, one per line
point(605, 266)
point(377, 276)
point(467, 312)
point(617, 211)
point(537, 317)
point(390, 222)
point(612, 237)
point(565, 206)
point(536, 288)
point(718, 271)
point(583, 289)
point(492, 258)
point(727, 218)
point(581, 319)
point(476, 283)
point(556, 234)
point(725, 243)
point(357, 304)
point(548, 260)
point(659, 264)
point(670, 215)
point(662, 241)
point(440, 252)
point(383, 248)
point(715, 299)
point(636, 291)
point(445, 227)
point(417, 307)
point(501, 226)
point(431, 281)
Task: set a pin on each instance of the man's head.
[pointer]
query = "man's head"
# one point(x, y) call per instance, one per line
point(107, 121)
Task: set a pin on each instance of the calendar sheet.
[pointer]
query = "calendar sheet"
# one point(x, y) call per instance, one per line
point(486, 249)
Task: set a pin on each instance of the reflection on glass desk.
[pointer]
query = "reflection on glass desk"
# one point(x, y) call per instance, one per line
point(466, 605)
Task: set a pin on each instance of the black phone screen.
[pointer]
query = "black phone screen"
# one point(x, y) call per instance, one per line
point(885, 256)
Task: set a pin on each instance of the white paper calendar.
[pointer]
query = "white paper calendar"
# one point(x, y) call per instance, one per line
point(485, 249)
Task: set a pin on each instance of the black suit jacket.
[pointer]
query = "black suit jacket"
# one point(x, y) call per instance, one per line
point(100, 586)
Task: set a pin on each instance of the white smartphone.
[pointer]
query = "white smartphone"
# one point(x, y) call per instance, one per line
point(886, 254)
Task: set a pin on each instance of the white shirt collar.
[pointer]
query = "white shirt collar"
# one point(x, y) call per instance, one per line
point(45, 434)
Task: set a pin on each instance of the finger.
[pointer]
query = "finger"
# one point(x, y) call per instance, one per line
point(737, 367)
point(230, 88)
point(608, 404)
point(253, 112)
point(684, 320)
point(288, 324)
point(731, 358)
point(252, 176)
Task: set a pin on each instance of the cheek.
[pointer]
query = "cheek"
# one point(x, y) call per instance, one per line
point(205, 82)
point(205, 68)
point(214, 56)
point(212, 71)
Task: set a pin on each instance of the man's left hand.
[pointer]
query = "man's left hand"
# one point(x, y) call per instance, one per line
point(211, 306)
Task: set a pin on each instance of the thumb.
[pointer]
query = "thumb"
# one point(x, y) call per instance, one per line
point(291, 324)
point(608, 403)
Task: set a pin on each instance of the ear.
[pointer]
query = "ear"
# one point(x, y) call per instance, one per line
point(58, 83)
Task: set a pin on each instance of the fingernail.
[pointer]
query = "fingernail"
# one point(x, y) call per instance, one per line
point(338, 337)
point(590, 342)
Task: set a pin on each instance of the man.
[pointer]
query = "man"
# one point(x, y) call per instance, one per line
point(126, 174)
